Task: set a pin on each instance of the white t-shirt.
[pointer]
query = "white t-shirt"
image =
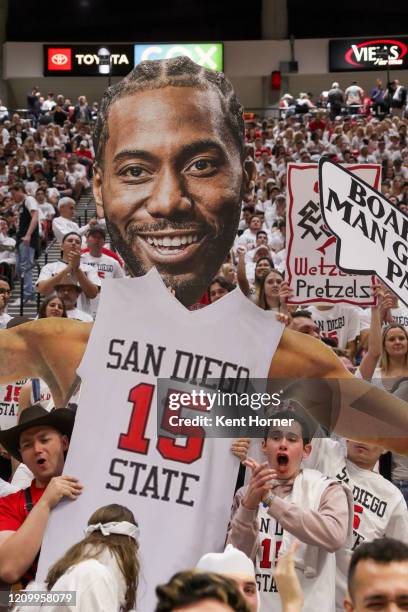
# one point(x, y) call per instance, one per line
point(318, 590)
point(354, 94)
point(98, 583)
point(6, 488)
point(4, 319)
point(23, 477)
point(78, 174)
point(276, 240)
point(48, 105)
point(53, 193)
point(46, 210)
point(342, 322)
point(62, 226)
point(106, 267)
point(399, 467)
point(31, 187)
point(379, 506)
point(51, 269)
point(247, 239)
point(400, 316)
point(30, 203)
point(270, 213)
point(279, 260)
point(377, 379)
point(8, 256)
point(79, 315)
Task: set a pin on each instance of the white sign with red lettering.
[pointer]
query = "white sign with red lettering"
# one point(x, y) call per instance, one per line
point(311, 254)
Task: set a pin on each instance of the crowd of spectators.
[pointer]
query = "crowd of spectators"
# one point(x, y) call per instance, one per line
point(45, 166)
point(46, 158)
point(379, 101)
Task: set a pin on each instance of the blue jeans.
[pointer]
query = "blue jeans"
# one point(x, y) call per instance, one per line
point(25, 261)
point(403, 487)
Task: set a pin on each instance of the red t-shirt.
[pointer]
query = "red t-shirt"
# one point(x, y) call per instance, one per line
point(85, 153)
point(13, 513)
point(317, 125)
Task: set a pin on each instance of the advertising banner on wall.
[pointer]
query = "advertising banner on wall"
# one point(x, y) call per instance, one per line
point(208, 55)
point(368, 54)
point(311, 258)
point(83, 60)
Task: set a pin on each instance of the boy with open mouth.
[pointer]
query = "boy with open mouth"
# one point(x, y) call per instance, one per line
point(283, 502)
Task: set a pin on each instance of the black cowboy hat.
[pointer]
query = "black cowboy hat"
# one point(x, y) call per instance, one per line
point(61, 419)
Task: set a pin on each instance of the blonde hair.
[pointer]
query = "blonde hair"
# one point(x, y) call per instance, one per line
point(385, 362)
point(123, 548)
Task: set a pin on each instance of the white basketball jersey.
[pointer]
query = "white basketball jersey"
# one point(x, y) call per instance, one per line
point(9, 396)
point(180, 491)
point(318, 591)
point(379, 506)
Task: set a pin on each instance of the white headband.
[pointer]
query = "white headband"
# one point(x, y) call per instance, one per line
point(121, 528)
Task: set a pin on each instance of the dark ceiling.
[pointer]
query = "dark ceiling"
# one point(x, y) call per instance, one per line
point(195, 20)
point(137, 21)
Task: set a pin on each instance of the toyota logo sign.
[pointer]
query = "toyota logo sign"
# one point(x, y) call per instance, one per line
point(59, 59)
point(83, 60)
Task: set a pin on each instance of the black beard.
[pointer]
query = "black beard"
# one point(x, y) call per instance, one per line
point(219, 243)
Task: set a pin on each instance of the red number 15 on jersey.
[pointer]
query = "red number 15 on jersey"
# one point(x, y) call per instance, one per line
point(135, 440)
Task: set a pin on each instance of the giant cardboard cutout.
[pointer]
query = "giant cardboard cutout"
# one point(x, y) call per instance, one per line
point(359, 215)
point(170, 176)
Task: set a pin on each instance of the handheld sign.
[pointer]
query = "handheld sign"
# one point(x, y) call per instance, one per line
point(372, 234)
point(311, 254)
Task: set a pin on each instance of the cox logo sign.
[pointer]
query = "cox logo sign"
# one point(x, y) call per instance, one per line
point(208, 55)
point(377, 53)
point(59, 59)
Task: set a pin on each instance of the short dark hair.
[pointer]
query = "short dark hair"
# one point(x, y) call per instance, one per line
point(176, 72)
point(382, 550)
point(268, 259)
point(70, 234)
point(17, 186)
point(96, 229)
point(307, 434)
point(221, 281)
point(5, 279)
point(261, 232)
point(301, 313)
point(279, 223)
point(189, 587)
point(332, 342)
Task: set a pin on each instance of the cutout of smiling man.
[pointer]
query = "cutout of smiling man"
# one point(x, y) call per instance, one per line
point(176, 176)
point(171, 175)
